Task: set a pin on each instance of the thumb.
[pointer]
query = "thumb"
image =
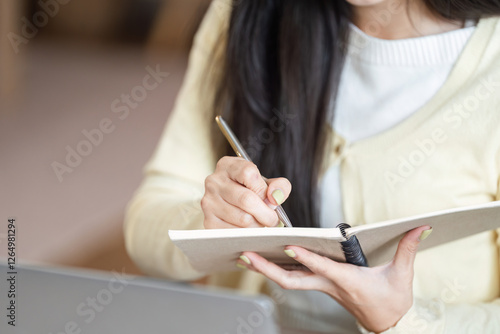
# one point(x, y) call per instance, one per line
point(278, 190)
point(408, 246)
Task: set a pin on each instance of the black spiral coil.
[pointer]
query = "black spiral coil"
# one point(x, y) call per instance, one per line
point(351, 248)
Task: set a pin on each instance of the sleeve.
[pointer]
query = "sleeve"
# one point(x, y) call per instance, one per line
point(169, 197)
point(437, 317)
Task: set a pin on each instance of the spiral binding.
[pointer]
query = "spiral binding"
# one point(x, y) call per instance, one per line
point(351, 248)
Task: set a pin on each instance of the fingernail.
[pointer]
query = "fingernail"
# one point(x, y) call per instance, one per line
point(290, 253)
point(239, 265)
point(245, 259)
point(278, 196)
point(425, 234)
point(280, 224)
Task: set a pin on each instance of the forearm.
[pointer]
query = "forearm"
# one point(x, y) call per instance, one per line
point(154, 210)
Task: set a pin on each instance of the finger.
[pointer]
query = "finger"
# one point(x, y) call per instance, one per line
point(249, 202)
point(247, 174)
point(212, 222)
point(278, 190)
point(408, 246)
point(321, 265)
point(234, 215)
point(291, 280)
point(220, 214)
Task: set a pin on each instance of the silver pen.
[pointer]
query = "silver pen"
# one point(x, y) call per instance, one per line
point(240, 151)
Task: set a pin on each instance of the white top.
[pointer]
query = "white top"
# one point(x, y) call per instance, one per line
point(383, 82)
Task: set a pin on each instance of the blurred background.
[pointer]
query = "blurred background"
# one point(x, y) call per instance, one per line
point(77, 124)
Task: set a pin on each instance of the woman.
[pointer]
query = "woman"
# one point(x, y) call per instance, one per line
point(372, 110)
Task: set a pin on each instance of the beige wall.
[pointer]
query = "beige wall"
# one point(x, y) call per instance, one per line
point(88, 18)
point(9, 64)
point(64, 88)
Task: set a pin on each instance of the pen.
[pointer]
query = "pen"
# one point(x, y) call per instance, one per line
point(240, 151)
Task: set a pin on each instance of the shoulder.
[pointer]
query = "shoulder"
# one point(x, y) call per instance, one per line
point(484, 46)
point(214, 25)
point(489, 28)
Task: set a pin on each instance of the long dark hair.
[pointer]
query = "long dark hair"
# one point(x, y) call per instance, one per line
point(282, 65)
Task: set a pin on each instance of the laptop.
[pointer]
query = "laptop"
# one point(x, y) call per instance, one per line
point(73, 301)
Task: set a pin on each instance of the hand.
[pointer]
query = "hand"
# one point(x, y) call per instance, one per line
point(236, 195)
point(378, 297)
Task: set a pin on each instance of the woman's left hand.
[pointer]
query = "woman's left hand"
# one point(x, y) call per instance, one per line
point(378, 297)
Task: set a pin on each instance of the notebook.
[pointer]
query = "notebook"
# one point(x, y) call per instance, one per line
point(218, 249)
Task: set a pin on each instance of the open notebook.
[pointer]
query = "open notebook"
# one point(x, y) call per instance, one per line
point(217, 250)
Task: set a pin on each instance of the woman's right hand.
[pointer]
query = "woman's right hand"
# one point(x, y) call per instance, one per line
point(236, 195)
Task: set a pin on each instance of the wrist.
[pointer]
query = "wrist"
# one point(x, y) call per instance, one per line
point(385, 326)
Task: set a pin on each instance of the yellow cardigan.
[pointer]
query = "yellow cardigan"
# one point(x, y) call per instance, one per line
point(447, 154)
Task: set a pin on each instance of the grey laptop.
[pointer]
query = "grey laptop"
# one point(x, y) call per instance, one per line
point(69, 301)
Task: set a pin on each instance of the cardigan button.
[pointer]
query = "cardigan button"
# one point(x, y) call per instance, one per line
point(339, 146)
point(338, 151)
